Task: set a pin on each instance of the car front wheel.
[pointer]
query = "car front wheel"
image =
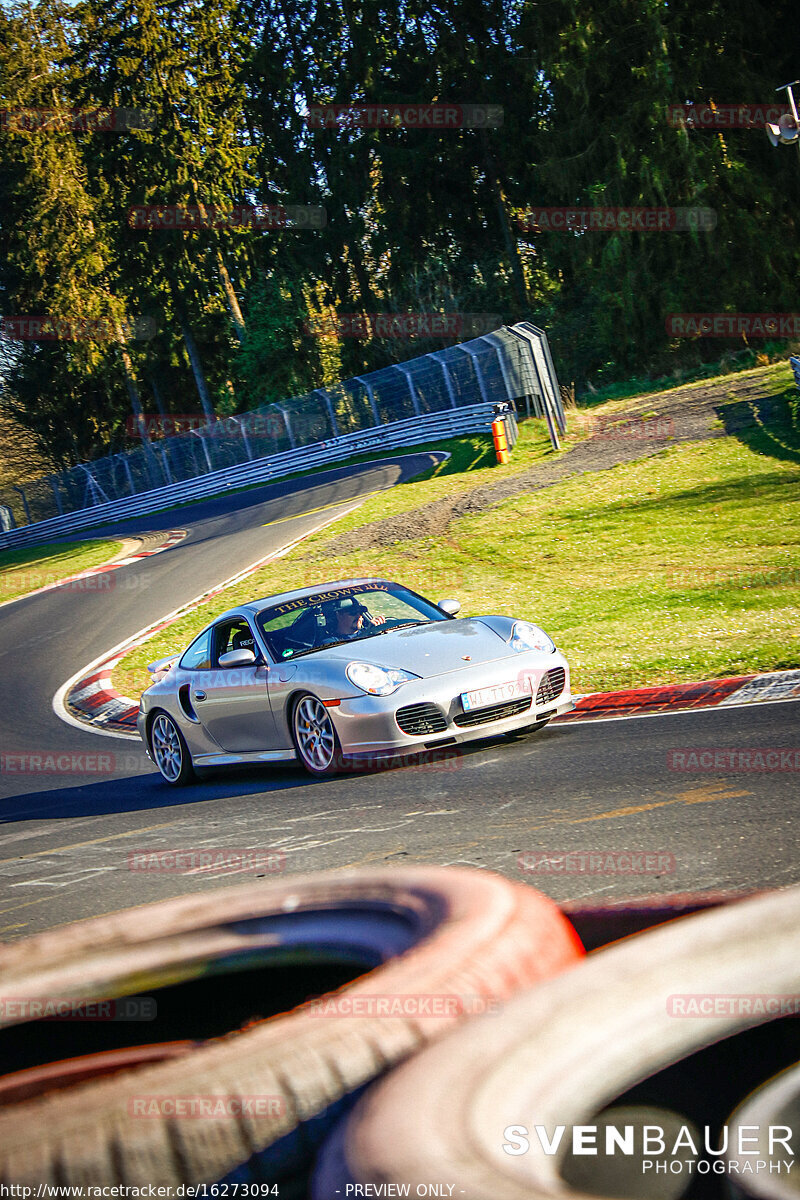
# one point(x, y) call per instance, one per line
point(170, 752)
point(314, 737)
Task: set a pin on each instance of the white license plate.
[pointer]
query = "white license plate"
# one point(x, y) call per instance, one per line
point(499, 693)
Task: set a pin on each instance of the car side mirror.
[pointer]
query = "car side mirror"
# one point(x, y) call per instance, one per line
point(451, 607)
point(237, 658)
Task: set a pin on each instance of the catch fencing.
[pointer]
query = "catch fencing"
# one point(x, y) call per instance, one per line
point(438, 395)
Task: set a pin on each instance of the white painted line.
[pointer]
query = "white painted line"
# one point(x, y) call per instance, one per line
point(59, 700)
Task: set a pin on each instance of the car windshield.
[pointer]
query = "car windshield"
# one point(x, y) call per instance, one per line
point(339, 615)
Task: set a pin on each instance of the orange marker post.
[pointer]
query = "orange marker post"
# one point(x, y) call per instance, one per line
point(500, 440)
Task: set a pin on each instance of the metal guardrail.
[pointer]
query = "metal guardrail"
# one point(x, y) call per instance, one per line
point(434, 395)
point(794, 363)
point(451, 423)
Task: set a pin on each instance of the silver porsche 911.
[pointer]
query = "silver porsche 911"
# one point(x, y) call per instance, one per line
point(356, 671)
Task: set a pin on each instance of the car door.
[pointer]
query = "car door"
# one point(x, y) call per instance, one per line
point(232, 704)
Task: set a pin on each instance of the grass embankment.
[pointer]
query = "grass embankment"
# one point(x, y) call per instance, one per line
point(680, 566)
point(26, 570)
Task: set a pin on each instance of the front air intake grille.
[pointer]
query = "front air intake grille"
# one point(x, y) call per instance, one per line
point(496, 712)
point(551, 685)
point(421, 719)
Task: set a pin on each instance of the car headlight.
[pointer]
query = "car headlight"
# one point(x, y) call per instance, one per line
point(377, 681)
point(525, 636)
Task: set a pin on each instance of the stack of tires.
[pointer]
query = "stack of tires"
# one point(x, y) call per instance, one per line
point(424, 1028)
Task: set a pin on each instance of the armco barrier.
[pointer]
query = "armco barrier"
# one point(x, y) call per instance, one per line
point(451, 423)
point(444, 393)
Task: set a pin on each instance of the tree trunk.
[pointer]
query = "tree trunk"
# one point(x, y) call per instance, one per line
point(194, 356)
point(230, 295)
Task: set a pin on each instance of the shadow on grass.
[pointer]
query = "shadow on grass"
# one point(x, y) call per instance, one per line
point(767, 426)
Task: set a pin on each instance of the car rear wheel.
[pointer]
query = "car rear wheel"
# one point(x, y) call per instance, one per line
point(314, 737)
point(170, 752)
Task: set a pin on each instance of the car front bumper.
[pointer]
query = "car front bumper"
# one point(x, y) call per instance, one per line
point(368, 725)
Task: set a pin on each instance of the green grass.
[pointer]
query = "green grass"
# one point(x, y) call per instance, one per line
point(684, 566)
point(710, 375)
point(25, 570)
point(681, 566)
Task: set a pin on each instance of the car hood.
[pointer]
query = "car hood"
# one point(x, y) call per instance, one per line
point(428, 650)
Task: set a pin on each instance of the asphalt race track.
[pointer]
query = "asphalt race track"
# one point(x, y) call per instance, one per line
point(67, 840)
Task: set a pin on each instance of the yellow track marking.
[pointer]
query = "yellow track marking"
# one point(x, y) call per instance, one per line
point(321, 508)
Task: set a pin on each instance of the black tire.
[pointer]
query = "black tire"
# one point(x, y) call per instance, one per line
point(316, 742)
point(563, 1051)
point(440, 934)
point(169, 750)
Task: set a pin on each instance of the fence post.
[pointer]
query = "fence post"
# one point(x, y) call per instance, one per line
point(24, 502)
point(481, 382)
point(447, 380)
point(197, 433)
point(245, 438)
point(51, 479)
point(376, 420)
point(559, 407)
point(329, 406)
point(93, 488)
point(127, 467)
point(499, 350)
point(413, 391)
point(288, 425)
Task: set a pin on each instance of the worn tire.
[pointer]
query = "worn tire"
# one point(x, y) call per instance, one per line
point(561, 1053)
point(776, 1102)
point(446, 932)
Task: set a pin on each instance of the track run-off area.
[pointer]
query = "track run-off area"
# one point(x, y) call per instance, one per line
point(593, 810)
